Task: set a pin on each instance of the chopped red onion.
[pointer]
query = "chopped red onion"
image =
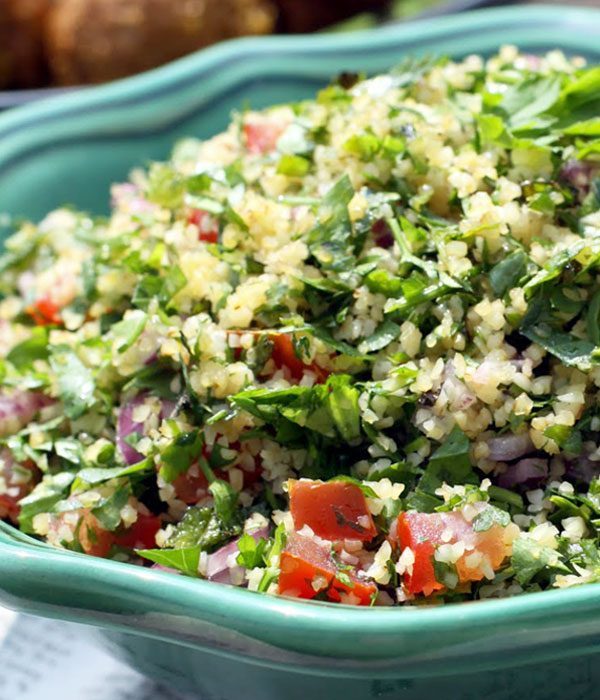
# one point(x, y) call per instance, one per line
point(579, 174)
point(218, 569)
point(382, 234)
point(508, 447)
point(127, 426)
point(524, 471)
point(18, 409)
point(582, 470)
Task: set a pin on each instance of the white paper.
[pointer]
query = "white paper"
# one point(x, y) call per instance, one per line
point(48, 660)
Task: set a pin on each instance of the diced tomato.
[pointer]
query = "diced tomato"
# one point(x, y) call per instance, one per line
point(98, 542)
point(261, 137)
point(93, 538)
point(334, 510)
point(207, 227)
point(45, 312)
point(141, 535)
point(423, 532)
point(284, 356)
point(192, 486)
point(9, 508)
point(307, 570)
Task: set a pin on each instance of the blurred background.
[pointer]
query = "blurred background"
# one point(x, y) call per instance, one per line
point(59, 43)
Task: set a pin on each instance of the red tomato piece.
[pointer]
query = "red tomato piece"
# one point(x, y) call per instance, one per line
point(45, 312)
point(192, 486)
point(261, 137)
point(9, 508)
point(142, 534)
point(283, 355)
point(93, 538)
point(306, 570)
point(421, 535)
point(423, 532)
point(334, 510)
point(207, 227)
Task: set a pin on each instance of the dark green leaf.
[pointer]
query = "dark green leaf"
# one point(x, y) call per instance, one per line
point(381, 338)
point(506, 274)
point(593, 319)
point(200, 527)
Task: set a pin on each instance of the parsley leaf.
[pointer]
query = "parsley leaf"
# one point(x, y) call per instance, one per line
point(76, 383)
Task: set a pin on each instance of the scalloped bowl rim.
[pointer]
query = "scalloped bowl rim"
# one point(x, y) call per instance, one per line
point(198, 595)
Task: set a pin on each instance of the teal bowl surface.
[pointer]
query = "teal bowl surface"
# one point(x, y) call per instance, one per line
point(220, 642)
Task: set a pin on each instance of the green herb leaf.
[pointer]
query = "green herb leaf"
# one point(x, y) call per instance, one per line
point(76, 383)
point(488, 517)
point(109, 512)
point(51, 490)
point(200, 527)
point(127, 331)
point(343, 406)
point(506, 274)
point(185, 559)
point(96, 475)
point(226, 500)
point(34, 348)
point(529, 558)
point(293, 166)
point(177, 457)
point(251, 551)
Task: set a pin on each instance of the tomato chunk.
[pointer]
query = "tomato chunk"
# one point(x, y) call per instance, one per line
point(208, 230)
point(334, 510)
point(284, 356)
point(141, 535)
point(45, 312)
point(307, 570)
point(192, 486)
point(261, 136)
point(93, 538)
point(479, 553)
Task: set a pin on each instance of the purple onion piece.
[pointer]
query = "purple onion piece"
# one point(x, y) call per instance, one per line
point(505, 448)
point(217, 568)
point(382, 234)
point(579, 174)
point(22, 405)
point(127, 426)
point(525, 471)
point(582, 470)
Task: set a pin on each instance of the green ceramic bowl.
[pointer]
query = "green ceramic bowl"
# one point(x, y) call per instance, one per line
point(222, 642)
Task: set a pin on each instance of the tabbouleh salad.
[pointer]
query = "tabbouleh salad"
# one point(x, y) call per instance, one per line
point(347, 350)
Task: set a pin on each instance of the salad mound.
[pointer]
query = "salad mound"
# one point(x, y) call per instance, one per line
point(346, 350)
